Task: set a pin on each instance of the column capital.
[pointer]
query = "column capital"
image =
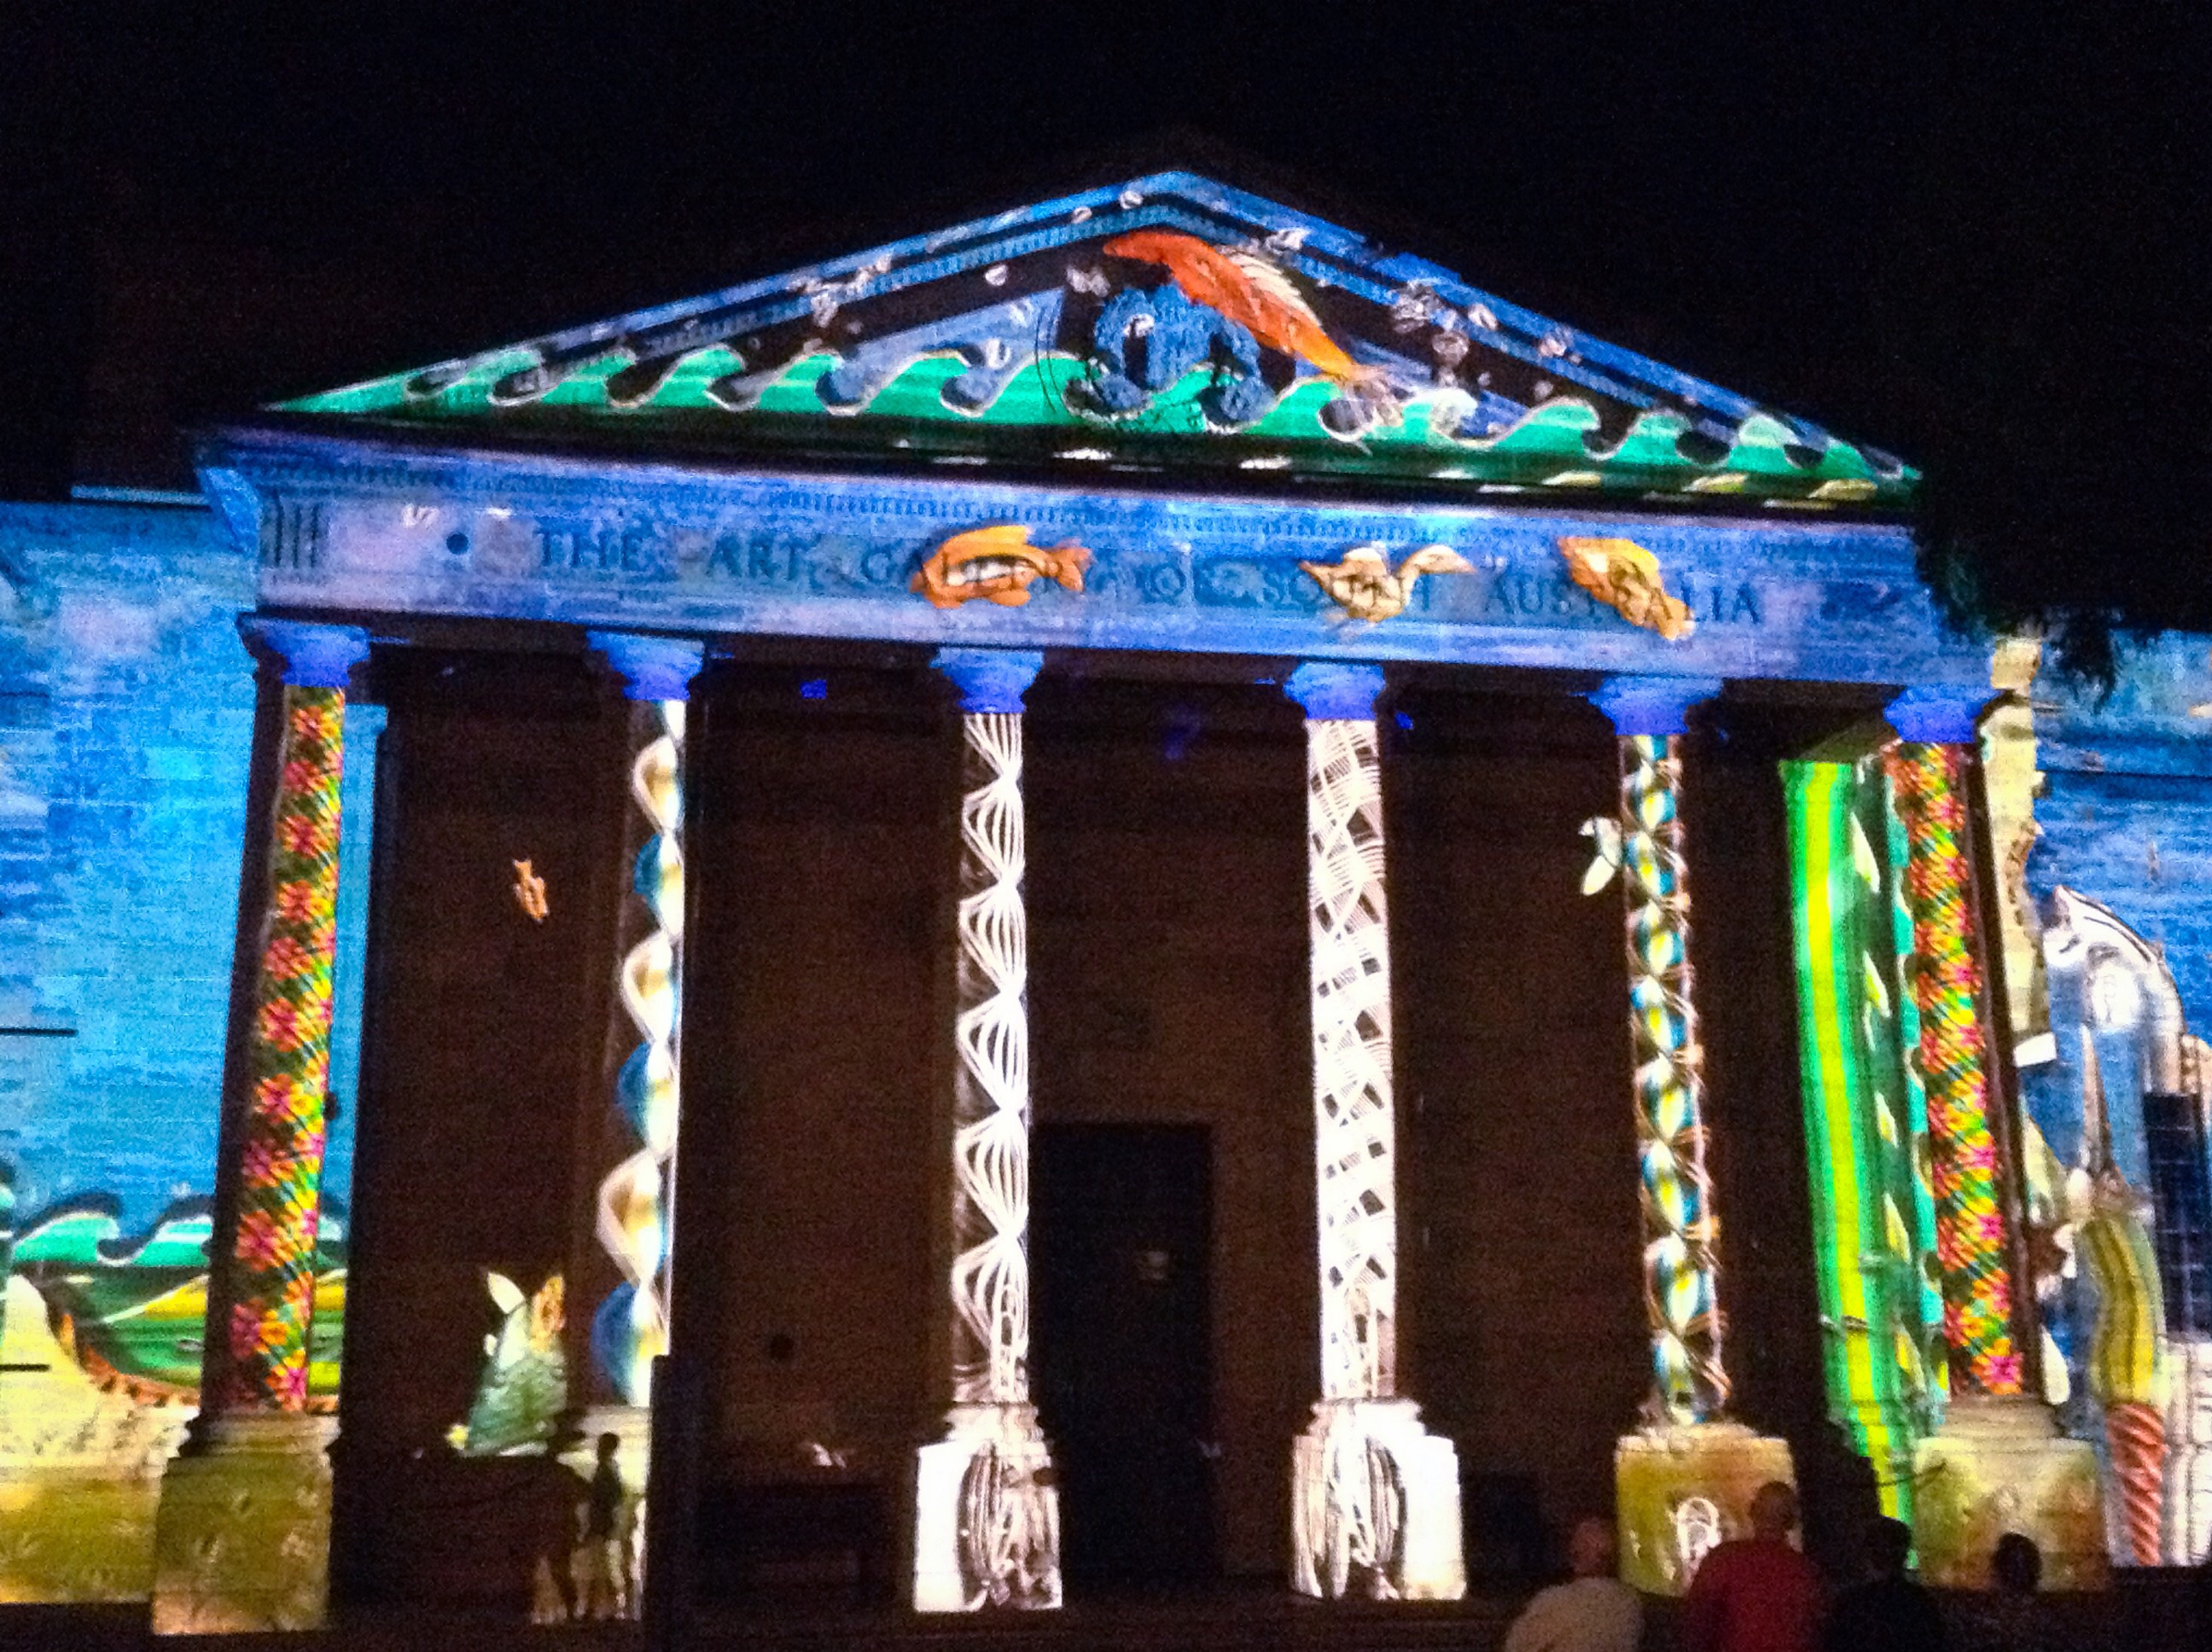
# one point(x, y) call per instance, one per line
point(313, 655)
point(1650, 705)
point(651, 668)
point(1938, 714)
point(989, 679)
point(1334, 692)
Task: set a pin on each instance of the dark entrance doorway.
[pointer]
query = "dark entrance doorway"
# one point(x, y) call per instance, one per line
point(1119, 1240)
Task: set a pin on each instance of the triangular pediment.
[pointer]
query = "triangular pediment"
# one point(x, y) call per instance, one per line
point(1169, 324)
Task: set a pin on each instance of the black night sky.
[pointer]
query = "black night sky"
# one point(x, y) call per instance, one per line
point(1977, 243)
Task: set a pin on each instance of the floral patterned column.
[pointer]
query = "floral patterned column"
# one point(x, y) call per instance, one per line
point(242, 1538)
point(1687, 1477)
point(1997, 1463)
point(1374, 1495)
point(986, 1513)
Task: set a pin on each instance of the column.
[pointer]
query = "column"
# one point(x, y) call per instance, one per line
point(1997, 1463)
point(1374, 1495)
point(1685, 1479)
point(986, 1513)
point(242, 1538)
point(634, 1217)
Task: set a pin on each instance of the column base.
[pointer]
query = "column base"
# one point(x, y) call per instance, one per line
point(242, 1541)
point(1888, 1445)
point(987, 1514)
point(2188, 1456)
point(1375, 1506)
point(1683, 1488)
point(80, 1471)
point(1999, 1465)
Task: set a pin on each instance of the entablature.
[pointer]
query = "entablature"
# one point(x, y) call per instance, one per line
point(361, 527)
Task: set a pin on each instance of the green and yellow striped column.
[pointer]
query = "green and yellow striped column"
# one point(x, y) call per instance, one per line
point(1865, 1122)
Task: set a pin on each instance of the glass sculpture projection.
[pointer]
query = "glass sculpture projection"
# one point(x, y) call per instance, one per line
point(1374, 1497)
point(1866, 1125)
point(986, 1513)
point(2123, 1111)
point(630, 1328)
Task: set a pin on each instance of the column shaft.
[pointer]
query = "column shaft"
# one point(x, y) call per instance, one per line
point(242, 1534)
point(987, 1512)
point(1686, 1480)
point(635, 1214)
point(1681, 1271)
point(269, 1269)
point(990, 1282)
point(1354, 1125)
point(1972, 1237)
point(1997, 1463)
point(1374, 1495)
point(634, 1217)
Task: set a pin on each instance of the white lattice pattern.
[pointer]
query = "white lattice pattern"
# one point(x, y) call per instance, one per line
point(991, 1098)
point(1352, 1119)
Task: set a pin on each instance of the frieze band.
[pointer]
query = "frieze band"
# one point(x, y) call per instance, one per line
point(900, 559)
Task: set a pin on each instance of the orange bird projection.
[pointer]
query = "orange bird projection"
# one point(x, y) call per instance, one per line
point(1258, 296)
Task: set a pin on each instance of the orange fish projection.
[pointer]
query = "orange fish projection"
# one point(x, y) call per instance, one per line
point(1258, 296)
point(529, 892)
point(998, 564)
point(1626, 578)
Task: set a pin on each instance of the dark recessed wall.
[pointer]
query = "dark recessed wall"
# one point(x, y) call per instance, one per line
point(1525, 1324)
point(1744, 953)
point(812, 1047)
point(481, 1081)
point(1167, 985)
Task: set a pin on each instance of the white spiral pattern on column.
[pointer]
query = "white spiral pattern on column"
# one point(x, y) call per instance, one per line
point(635, 1218)
point(991, 1091)
point(1354, 1129)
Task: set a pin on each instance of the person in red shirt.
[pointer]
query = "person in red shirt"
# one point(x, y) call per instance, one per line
point(1757, 1593)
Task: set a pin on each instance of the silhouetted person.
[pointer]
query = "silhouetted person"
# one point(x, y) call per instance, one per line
point(603, 1589)
point(1756, 1594)
point(1889, 1611)
point(1594, 1611)
point(2012, 1617)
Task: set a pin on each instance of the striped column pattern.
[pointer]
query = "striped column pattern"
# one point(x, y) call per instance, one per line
point(1866, 1128)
